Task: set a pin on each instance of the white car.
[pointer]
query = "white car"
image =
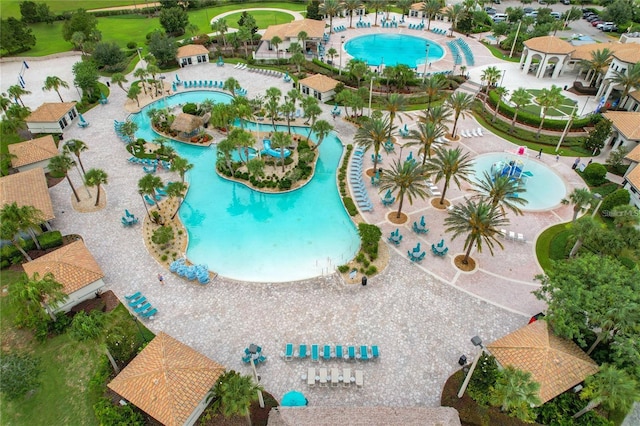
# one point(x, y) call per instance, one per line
point(602, 24)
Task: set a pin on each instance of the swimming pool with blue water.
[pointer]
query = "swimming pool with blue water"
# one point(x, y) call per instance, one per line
point(393, 49)
point(252, 236)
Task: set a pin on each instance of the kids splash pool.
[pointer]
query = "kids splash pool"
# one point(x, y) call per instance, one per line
point(393, 49)
point(252, 236)
point(544, 188)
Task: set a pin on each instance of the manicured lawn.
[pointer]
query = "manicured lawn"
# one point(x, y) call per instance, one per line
point(564, 109)
point(263, 18)
point(501, 55)
point(12, 7)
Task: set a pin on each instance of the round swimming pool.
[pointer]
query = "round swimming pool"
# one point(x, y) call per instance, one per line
point(393, 49)
point(545, 189)
point(252, 236)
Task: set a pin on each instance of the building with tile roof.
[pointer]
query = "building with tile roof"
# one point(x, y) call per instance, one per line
point(288, 33)
point(52, 117)
point(623, 59)
point(168, 380)
point(556, 364)
point(552, 52)
point(319, 86)
point(28, 188)
point(631, 180)
point(75, 268)
point(329, 416)
point(625, 129)
point(33, 153)
point(192, 54)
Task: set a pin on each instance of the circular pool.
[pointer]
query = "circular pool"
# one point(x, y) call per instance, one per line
point(393, 49)
point(544, 188)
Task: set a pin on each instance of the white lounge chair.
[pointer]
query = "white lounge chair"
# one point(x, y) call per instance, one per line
point(480, 131)
point(311, 376)
point(512, 235)
point(359, 378)
point(346, 377)
point(473, 133)
point(335, 374)
point(520, 238)
point(503, 232)
point(323, 376)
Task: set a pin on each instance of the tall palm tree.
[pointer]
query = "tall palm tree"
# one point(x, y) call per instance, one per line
point(433, 86)
point(14, 119)
point(628, 80)
point(5, 102)
point(225, 148)
point(350, 6)
point(153, 70)
point(133, 93)
point(516, 392)
point(581, 198)
point(288, 109)
point(502, 92)
point(600, 60)
point(273, 95)
point(450, 164)
point(330, 8)
point(439, 115)
point(231, 85)
point(376, 5)
point(119, 78)
point(460, 103)
point(520, 98)
point(373, 133)
point(59, 166)
point(242, 140)
point(546, 99)
point(76, 146)
point(394, 104)
point(148, 186)
point(425, 136)
point(454, 14)
point(407, 179)
point(234, 394)
point(180, 165)
point(430, 9)
point(490, 75)
point(55, 83)
point(129, 128)
point(16, 92)
point(321, 129)
point(142, 74)
point(303, 37)
point(311, 111)
point(281, 140)
point(220, 26)
point(614, 388)
point(35, 295)
point(96, 177)
point(176, 190)
point(275, 42)
point(500, 191)
point(15, 219)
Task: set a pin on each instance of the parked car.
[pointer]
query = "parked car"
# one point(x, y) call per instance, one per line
point(490, 10)
point(602, 24)
point(566, 1)
point(556, 15)
point(593, 18)
point(609, 26)
point(500, 17)
point(596, 22)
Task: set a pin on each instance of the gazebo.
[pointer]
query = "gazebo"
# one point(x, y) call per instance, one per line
point(548, 50)
point(557, 364)
point(187, 124)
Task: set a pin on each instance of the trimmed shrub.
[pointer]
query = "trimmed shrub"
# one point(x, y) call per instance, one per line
point(190, 108)
point(595, 174)
point(350, 206)
point(370, 236)
point(50, 239)
point(617, 198)
point(285, 183)
point(343, 268)
point(85, 326)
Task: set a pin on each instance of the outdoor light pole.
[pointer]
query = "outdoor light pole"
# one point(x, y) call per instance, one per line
point(455, 63)
point(476, 342)
point(600, 199)
point(426, 61)
point(139, 54)
point(370, 93)
point(566, 128)
point(341, 47)
point(585, 106)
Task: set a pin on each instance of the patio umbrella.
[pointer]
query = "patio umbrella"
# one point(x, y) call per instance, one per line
point(294, 399)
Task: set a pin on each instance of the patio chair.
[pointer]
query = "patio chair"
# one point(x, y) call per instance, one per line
point(288, 352)
point(311, 376)
point(346, 377)
point(351, 351)
point(149, 314)
point(315, 353)
point(326, 352)
point(520, 238)
point(142, 308)
point(302, 353)
point(359, 378)
point(323, 377)
point(364, 353)
point(133, 296)
point(246, 359)
point(480, 131)
point(339, 353)
point(512, 235)
point(149, 200)
point(375, 352)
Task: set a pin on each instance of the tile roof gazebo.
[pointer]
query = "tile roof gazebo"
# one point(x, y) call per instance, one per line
point(546, 49)
point(557, 364)
point(28, 188)
point(33, 153)
point(168, 380)
point(319, 86)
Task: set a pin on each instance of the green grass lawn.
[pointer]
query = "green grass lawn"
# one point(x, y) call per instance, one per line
point(500, 54)
point(12, 7)
point(263, 18)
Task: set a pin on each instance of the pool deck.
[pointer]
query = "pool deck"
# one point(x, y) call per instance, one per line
point(422, 316)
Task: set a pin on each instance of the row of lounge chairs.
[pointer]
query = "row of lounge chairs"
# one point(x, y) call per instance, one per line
point(240, 66)
point(445, 73)
point(473, 133)
point(149, 162)
point(129, 219)
point(466, 50)
point(438, 31)
point(194, 84)
point(362, 24)
point(271, 73)
point(190, 272)
point(241, 92)
point(141, 306)
point(433, 189)
point(339, 28)
point(457, 57)
point(328, 353)
point(511, 235)
point(335, 376)
point(355, 175)
point(418, 27)
point(389, 24)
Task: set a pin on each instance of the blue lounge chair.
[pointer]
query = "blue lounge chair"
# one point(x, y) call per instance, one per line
point(133, 296)
point(326, 352)
point(137, 300)
point(261, 359)
point(149, 200)
point(352, 352)
point(364, 353)
point(339, 353)
point(303, 351)
point(375, 352)
point(149, 314)
point(288, 352)
point(315, 353)
point(246, 359)
point(142, 308)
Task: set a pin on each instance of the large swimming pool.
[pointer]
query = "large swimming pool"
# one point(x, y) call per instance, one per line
point(251, 236)
point(545, 189)
point(393, 49)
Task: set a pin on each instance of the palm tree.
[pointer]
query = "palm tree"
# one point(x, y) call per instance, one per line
point(349, 6)
point(181, 166)
point(273, 95)
point(96, 177)
point(76, 146)
point(231, 84)
point(16, 92)
point(628, 80)
point(357, 68)
point(303, 36)
point(225, 147)
point(5, 102)
point(129, 128)
point(454, 14)
point(515, 392)
point(373, 133)
point(242, 140)
point(321, 129)
point(34, 295)
point(281, 140)
point(234, 394)
point(600, 60)
point(394, 104)
point(425, 136)
point(220, 26)
point(430, 9)
point(55, 83)
point(450, 164)
point(142, 74)
point(311, 110)
point(59, 166)
point(500, 191)
point(460, 103)
point(404, 6)
point(407, 179)
point(275, 42)
point(176, 190)
point(439, 115)
point(502, 92)
point(546, 99)
point(615, 389)
point(490, 75)
point(148, 185)
point(15, 219)
point(14, 119)
point(433, 86)
point(376, 5)
point(581, 198)
point(582, 229)
point(288, 109)
point(255, 167)
point(332, 53)
point(330, 8)
point(520, 98)
point(119, 78)
point(133, 93)
point(153, 69)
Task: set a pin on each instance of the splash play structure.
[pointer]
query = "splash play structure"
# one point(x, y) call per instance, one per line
point(513, 168)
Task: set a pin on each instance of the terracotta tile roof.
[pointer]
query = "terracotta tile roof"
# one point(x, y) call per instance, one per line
point(191, 50)
point(28, 188)
point(313, 28)
point(583, 51)
point(32, 151)
point(630, 54)
point(320, 82)
point(634, 154)
point(72, 265)
point(549, 44)
point(167, 380)
point(417, 6)
point(50, 112)
point(627, 123)
point(557, 364)
point(635, 95)
point(634, 177)
point(363, 416)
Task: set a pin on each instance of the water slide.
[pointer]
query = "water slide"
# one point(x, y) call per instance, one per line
point(273, 152)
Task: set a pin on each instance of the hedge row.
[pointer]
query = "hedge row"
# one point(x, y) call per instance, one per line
point(10, 255)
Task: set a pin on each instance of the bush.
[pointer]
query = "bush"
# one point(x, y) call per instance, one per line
point(595, 174)
point(108, 54)
point(132, 45)
point(109, 414)
point(484, 378)
point(190, 108)
point(350, 206)
point(370, 236)
point(343, 268)
point(617, 198)
point(18, 374)
point(50, 239)
point(85, 326)
point(284, 184)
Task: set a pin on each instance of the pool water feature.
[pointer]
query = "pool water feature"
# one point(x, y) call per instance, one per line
point(545, 189)
point(252, 236)
point(393, 49)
